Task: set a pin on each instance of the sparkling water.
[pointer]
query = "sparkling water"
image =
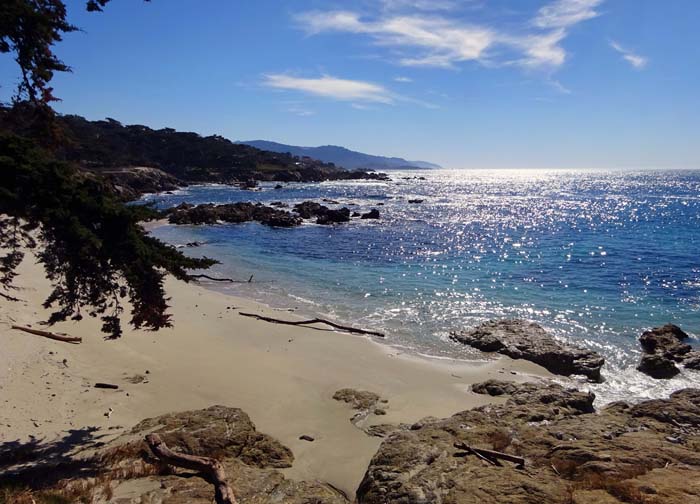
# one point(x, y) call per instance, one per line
point(594, 256)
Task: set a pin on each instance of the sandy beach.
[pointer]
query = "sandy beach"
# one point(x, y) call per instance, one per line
point(284, 377)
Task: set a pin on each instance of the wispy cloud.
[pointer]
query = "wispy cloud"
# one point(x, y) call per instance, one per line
point(439, 40)
point(402, 79)
point(565, 13)
point(633, 59)
point(332, 87)
point(422, 5)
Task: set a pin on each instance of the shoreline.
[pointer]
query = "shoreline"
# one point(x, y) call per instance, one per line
point(284, 377)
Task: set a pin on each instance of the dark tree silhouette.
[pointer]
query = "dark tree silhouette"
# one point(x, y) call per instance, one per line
point(91, 245)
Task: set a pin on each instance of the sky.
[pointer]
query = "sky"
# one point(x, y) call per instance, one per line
point(462, 83)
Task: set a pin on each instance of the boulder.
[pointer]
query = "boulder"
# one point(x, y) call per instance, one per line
point(657, 366)
point(620, 454)
point(664, 347)
point(520, 339)
point(372, 214)
point(334, 217)
point(667, 340)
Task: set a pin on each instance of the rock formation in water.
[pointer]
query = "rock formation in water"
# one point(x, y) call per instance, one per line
point(520, 339)
point(663, 348)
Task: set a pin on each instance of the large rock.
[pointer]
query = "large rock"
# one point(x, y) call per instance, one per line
point(664, 347)
point(323, 214)
point(219, 431)
point(658, 366)
point(520, 339)
point(235, 213)
point(621, 454)
point(126, 472)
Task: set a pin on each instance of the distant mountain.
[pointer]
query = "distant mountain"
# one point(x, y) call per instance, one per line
point(341, 156)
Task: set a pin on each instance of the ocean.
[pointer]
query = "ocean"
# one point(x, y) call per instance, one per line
point(594, 256)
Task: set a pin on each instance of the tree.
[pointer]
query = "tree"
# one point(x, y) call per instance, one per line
point(91, 245)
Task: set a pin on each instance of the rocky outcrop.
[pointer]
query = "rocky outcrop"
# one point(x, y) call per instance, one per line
point(372, 214)
point(220, 430)
point(126, 472)
point(520, 339)
point(130, 183)
point(233, 213)
point(322, 214)
point(621, 454)
point(664, 347)
point(365, 403)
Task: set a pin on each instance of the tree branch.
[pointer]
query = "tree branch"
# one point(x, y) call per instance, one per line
point(212, 468)
point(313, 321)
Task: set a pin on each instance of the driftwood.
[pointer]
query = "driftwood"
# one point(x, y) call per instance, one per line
point(313, 321)
point(51, 335)
point(106, 385)
point(210, 467)
point(491, 455)
point(214, 279)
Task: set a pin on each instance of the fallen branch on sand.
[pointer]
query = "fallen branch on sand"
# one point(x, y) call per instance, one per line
point(212, 468)
point(51, 335)
point(214, 279)
point(491, 456)
point(313, 321)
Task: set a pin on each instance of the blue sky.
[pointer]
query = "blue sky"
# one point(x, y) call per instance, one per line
point(470, 83)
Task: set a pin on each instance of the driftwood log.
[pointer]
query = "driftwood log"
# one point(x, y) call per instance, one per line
point(51, 335)
point(491, 456)
point(214, 279)
point(106, 385)
point(211, 468)
point(349, 329)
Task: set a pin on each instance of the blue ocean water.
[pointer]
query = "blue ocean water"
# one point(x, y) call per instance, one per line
point(594, 256)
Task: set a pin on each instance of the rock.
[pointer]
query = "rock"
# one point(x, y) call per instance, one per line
point(372, 214)
point(364, 402)
point(416, 201)
point(334, 217)
point(658, 366)
point(663, 347)
point(422, 465)
point(666, 340)
point(692, 360)
point(309, 209)
point(232, 212)
point(130, 183)
point(305, 437)
point(279, 186)
point(520, 339)
point(357, 399)
point(250, 460)
point(225, 431)
point(494, 387)
point(355, 214)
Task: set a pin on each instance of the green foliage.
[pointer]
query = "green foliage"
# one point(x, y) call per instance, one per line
point(93, 249)
point(29, 28)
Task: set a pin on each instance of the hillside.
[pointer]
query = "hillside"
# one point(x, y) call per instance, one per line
point(341, 156)
point(142, 159)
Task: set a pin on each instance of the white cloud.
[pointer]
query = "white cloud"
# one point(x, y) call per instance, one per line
point(433, 40)
point(422, 5)
point(565, 13)
point(442, 41)
point(332, 87)
point(633, 59)
point(403, 79)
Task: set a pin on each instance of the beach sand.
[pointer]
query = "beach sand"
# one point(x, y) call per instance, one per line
point(284, 377)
